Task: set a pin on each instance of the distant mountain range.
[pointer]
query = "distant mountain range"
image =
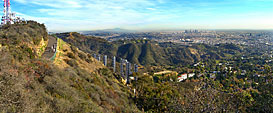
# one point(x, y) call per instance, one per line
point(115, 30)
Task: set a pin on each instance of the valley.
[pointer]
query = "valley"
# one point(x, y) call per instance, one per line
point(136, 56)
point(58, 73)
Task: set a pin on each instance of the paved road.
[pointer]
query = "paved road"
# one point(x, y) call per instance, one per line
point(49, 52)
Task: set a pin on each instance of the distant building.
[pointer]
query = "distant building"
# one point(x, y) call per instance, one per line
point(213, 76)
point(182, 77)
point(196, 31)
point(191, 75)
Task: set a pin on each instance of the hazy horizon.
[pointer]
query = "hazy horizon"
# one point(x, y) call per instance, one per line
point(86, 15)
point(165, 30)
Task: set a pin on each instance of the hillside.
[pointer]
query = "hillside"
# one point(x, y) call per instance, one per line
point(88, 44)
point(72, 82)
point(150, 53)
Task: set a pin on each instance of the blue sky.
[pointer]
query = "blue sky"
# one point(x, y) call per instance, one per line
point(78, 15)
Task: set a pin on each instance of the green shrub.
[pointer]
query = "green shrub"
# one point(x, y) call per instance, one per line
point(70, 55)
point(72, 62)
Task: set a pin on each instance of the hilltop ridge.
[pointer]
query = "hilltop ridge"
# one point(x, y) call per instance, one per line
point(72, 82)
point(148, 52)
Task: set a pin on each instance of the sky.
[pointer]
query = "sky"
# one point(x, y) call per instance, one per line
point(83, 15)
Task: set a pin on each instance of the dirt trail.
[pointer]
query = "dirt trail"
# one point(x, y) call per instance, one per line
point(49, 52)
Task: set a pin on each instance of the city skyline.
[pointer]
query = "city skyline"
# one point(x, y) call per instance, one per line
point(73, 15)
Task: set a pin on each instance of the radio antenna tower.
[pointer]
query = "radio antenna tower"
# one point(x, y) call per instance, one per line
point(8, 16)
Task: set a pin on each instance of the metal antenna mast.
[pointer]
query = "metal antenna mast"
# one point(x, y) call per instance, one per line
point(8, 17)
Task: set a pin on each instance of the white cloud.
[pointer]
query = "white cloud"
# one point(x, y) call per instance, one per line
point(151, 8)
point(91, 13)
point(69, 15)
point(53, 3)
